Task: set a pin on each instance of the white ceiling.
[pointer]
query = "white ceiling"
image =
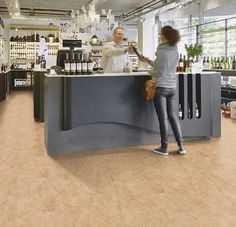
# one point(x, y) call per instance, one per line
point(227, 9)
point(118, 6)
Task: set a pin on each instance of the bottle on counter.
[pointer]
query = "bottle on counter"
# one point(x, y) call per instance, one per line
point(187, 65)
point(84, 65)
point(212, 63)
point(204, 63)
point(180, 112)
point(208, 63)
point(67, 65)
point(184, 64)
point(189, 111)
point(78, 64)
point(73, 65)
point(90, 65)
point(230, 61)
point(223, 63)
point(197, 111)
point(181, 64)
point(234, 63)
point(218, 66)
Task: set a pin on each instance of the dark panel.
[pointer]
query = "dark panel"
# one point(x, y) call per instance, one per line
point(198, 107)
point(115, 99)
point(190, 96)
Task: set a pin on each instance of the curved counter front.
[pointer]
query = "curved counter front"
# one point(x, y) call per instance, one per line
point(109, 110)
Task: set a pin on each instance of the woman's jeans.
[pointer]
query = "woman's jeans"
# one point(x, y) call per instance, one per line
point(166, 108)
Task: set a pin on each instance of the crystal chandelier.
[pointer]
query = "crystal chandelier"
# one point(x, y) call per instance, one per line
point(89, 20)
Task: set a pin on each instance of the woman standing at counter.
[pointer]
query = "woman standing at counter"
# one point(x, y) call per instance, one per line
point(164, 77)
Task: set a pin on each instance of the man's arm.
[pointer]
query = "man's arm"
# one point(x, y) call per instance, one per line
point(110, 51)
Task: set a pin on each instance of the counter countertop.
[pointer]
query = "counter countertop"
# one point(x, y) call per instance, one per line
point(39, 70)
point(123, 74)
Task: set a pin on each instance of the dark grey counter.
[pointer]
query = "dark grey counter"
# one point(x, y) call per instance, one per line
point(107, 111)
point(4, 85)
point(38, 77)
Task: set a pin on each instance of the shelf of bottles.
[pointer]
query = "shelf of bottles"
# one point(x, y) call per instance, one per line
point(96, 55)
point(29, 50)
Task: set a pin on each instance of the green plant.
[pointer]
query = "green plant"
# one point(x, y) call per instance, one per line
point(193, 50)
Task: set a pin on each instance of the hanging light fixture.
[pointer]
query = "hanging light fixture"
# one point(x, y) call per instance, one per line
point(88, 19)
point(94, 40)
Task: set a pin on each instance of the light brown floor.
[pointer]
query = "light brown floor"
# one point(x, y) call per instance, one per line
point(121, 187)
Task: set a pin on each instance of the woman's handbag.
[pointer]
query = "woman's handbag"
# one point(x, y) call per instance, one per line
point(149, 90)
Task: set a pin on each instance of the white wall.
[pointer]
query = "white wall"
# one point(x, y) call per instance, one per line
point(146, 37)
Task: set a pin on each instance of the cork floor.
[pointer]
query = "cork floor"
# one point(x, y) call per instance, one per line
point(120, 187)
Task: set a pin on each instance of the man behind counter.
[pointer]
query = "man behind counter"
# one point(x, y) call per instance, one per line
point(115, 57)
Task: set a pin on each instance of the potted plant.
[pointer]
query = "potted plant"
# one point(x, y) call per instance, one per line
point(193, 50)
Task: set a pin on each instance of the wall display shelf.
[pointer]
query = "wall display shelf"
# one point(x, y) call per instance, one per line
point(29, 50)
point(97, 55)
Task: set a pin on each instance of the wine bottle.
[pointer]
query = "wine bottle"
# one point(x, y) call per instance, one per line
point(78, 64)
point(234, 64)
point(189, 111)
point(73, 65)
point(204, 63)
point(197, 111)
point(218, 63)
point(67, 65)
point(137, 52)
point(90, 65)
point(181, 64)
point(180, 112)
point(84, 66)
point(208, 63)
point(222, 63)
point(184, 64)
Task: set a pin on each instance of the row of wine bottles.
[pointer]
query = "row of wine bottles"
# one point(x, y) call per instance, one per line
point(181, 114)
point(219, 63)
point(228, 63)
point(78, 66)
point(184, 64)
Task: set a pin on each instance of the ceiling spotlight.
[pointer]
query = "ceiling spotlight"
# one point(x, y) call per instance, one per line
point(142, 19)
